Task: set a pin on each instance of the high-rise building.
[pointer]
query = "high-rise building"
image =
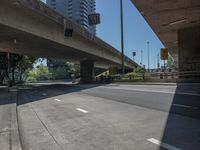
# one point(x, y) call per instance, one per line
point(77, 10)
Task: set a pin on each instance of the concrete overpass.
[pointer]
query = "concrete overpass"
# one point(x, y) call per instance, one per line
point(30, 27)
point(177, 24)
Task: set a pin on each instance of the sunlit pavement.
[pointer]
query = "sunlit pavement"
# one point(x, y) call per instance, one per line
point(9, 133)
point(110, 117)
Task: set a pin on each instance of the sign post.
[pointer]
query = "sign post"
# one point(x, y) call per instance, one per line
point(164, 54)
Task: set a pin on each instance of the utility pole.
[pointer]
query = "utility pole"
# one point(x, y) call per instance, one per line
point(148, 54)
point(158, 62)
point(164, 65)
point(141, 58)
point(134, 54)
point(122, 35)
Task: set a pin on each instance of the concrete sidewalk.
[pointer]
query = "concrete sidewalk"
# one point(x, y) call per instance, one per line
point(9, 132)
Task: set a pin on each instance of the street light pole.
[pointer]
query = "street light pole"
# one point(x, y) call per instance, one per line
point(148, 54)
point(122, 35)
point(141, 58)
point(158, 62)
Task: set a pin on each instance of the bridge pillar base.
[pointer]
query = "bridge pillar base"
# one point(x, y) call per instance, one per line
point(87, 71)
point(189, 49)
point(113, 70)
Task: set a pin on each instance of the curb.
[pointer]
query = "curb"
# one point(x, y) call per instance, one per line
point(14, 131)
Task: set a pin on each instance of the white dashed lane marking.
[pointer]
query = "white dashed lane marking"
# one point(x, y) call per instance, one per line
point(185, 106)
point(164, 145)
point(57, 100)
point(179, 105)
point(82, 110)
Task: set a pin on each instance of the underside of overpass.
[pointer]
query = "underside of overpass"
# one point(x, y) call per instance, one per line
point(28, 44)
point(177, 24)
point(30, 27)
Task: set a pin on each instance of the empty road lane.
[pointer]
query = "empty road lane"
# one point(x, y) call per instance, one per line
point(108, 117)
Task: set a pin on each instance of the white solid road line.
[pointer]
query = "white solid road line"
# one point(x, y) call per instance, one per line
point(82, 110)
point(164, 145)
point(179, 105)
point(57, 100)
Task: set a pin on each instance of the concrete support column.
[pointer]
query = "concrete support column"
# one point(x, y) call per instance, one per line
point(87, 71)
point(113, 70)
point(189, 49)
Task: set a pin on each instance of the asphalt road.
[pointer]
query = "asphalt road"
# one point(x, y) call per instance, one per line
point(178, 100)
point(109, 117)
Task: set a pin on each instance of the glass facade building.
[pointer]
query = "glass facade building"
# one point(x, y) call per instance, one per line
point(77, 10)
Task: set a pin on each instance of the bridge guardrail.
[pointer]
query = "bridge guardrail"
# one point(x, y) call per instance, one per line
point(156, 76)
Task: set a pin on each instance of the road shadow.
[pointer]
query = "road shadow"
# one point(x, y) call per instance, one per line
point(182, 128)
point(27, 94)
point(7, 96)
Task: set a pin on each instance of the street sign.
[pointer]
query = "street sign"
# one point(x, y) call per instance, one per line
point(164, 53)
point(94, 19)
point(134, 54)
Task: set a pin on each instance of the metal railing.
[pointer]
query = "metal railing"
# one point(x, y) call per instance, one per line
point(190, 76)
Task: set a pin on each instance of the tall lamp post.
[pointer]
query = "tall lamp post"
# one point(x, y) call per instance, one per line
point(148, 54)
point(141, 63)
point(158, 65)
point(134, 54)
point(122, 35)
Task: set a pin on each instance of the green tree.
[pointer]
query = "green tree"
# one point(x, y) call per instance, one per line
point(3, 66)
point(26, 64)
point(18, 63)
point(39, 73)
point(64, 70)
point(171, 64)
point(140, 70)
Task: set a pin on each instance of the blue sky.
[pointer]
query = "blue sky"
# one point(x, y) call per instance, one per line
point(136, 31)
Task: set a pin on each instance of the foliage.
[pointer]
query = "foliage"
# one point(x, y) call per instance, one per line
point(171, 64)
point(18, 63)
point(3, 67)
point(140, 70)
point(26, 63)
point(65, 71)
point(31, 79)
point(39, 73)
point(131, 76)
point(58, 71)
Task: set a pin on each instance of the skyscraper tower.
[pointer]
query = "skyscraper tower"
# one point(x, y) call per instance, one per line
point(77, 10)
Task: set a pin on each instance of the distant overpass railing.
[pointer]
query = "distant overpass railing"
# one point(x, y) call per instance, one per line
point(188, 76)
